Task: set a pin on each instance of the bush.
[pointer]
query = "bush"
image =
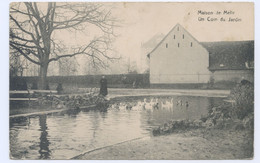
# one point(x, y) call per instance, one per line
point(243, 95)
point(85, 81)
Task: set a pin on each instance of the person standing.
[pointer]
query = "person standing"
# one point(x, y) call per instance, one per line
point(103, 86)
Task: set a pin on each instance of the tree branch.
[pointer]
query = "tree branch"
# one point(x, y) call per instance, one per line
point(69, 55)
point(23, 45)
point(20, 27)
point(18, 11)
point(38, 23)
point(22, 39)
point(25, 55)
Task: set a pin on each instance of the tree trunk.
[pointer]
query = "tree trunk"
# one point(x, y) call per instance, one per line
point(43, 76)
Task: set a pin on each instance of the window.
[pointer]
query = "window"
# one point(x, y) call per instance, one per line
point(166, 45)
point(191, 44)
point(174, 37)
point(178, 44)
point(183, 36)
point(178, 29)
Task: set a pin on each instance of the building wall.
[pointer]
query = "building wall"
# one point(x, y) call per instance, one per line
point(179, 59)
point(233, 75)
point(147, 47)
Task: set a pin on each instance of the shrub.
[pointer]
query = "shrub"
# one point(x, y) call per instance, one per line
point(243, 95)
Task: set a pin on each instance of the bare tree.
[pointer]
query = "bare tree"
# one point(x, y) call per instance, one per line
point(67, 66)
point(16, 66)
point(32, 26)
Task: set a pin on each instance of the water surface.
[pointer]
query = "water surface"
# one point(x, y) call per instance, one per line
point(65, 135)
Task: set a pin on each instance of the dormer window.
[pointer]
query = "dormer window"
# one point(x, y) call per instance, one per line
point(178, 29)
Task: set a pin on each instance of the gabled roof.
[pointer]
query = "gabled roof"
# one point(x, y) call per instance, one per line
point(148, 55)
point(230, 54)
point(224, 55)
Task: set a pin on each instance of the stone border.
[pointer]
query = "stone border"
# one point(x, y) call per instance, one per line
point(43, 112)
point(99, 148)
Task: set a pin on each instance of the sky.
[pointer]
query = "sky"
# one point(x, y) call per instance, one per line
point(141, 21)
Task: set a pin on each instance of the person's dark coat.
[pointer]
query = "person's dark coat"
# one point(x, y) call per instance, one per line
point(103, 87)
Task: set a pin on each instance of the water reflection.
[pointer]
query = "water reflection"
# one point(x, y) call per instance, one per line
point(73, 113)
point(19, 121)
point(103, 115)
point(44, 142)
point(181, 108)
point(67, 134)
point(95, 126)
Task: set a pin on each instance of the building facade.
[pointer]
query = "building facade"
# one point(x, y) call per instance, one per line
point(231, 61)
point(179, 59)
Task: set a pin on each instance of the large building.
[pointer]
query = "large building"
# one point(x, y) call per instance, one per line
point(181, 59)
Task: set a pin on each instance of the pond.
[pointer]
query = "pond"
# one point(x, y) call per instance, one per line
point(65, 135)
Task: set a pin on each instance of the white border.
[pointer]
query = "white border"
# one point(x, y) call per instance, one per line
point(4, 83)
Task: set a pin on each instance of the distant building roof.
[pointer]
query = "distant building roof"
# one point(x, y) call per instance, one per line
point(151, 43)
point(231, 55)
point(224, 55)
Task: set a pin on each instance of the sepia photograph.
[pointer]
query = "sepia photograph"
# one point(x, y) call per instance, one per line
point(131, 80)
